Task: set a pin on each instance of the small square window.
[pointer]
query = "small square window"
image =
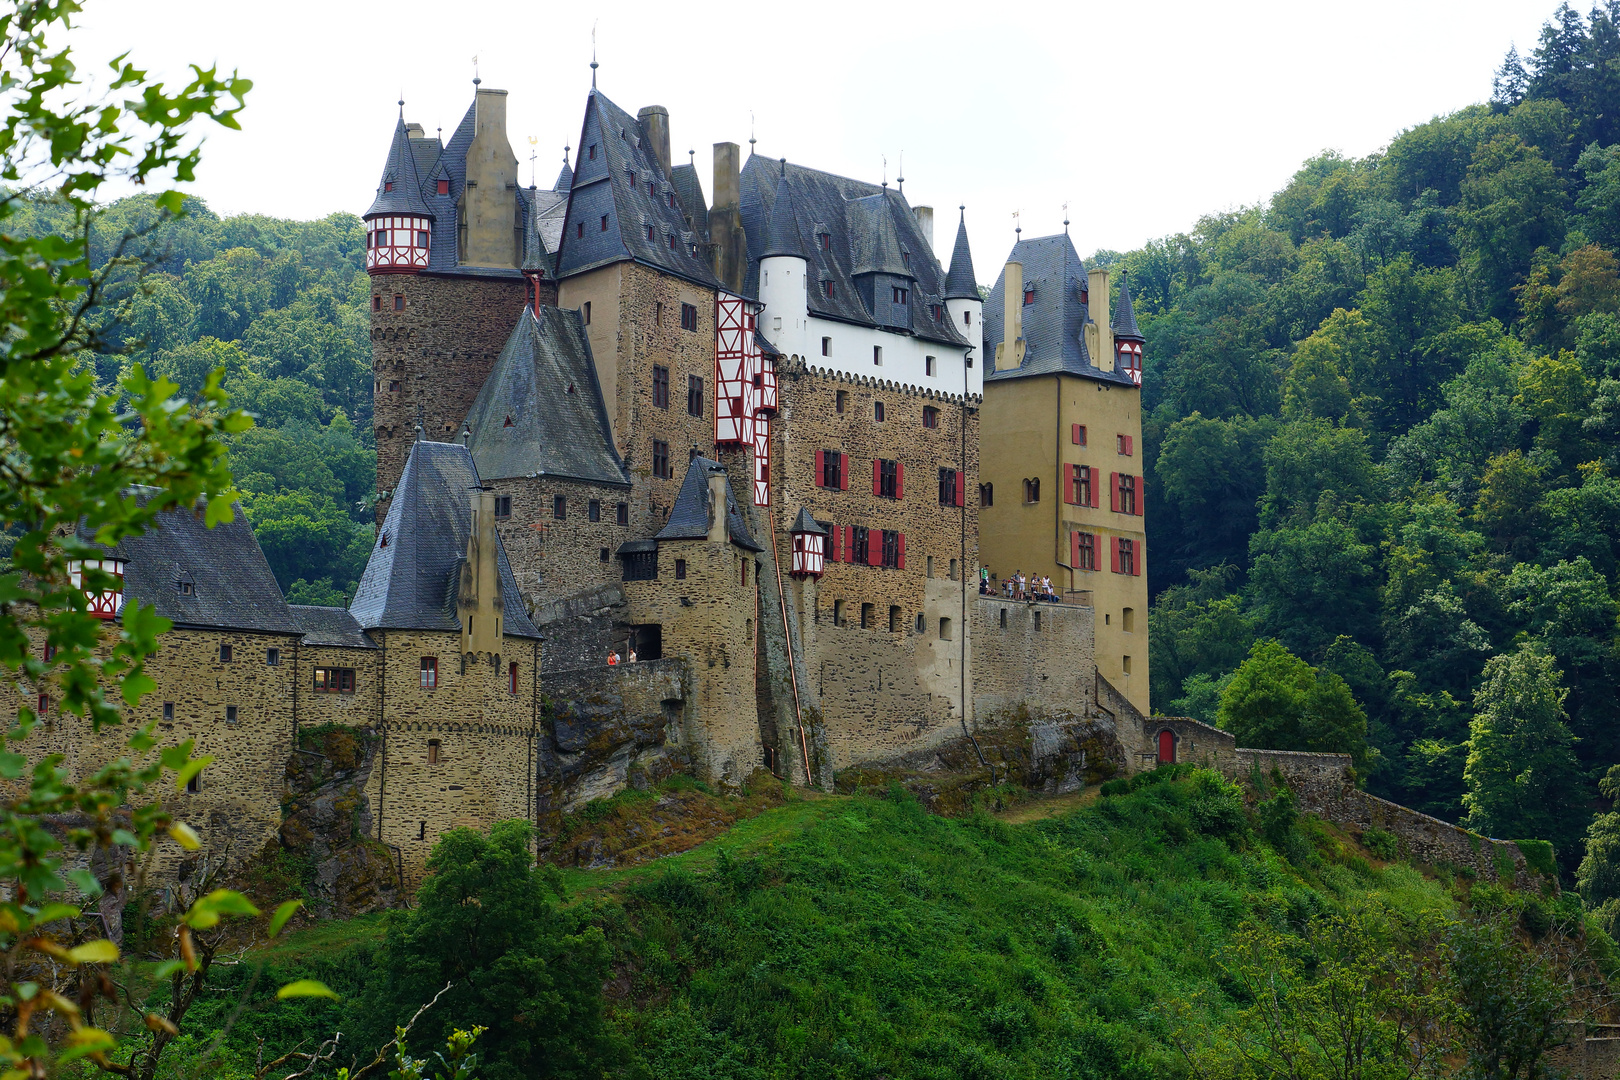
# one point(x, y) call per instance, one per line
point(224, 653)
point(399, 302)
point(689, 320)
point(168, 711)
point(826, 346)
point(602, 554)
point(660, 462)
point(877, 355)
point(649, 232)
point(594, 510)
point(1029, 297)
point(603, 224)
point(430, 673)
point(559, 507)
point(194, 784)
point(585, 312)
point(272, 657)
point(826, 242)
point(877, 411)
point(842, 400)
point(928, 365)
point(660, 387)
point(433, 752)
point(930, 416)
point(680, 569)
point(444, 187)
point(376, 303)
point(512, 678)
point(827, 289)
point(579, 230)
point(503, 506)
point(622, 514)
point(590, 152)
point(393, 386)
point(230, 714)
point(694, 395)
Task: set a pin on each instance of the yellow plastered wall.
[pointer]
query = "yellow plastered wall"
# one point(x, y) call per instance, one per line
point(1027, 434)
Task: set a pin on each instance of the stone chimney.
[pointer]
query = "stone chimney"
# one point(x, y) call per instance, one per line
point(1010, 351)
point(725, 218)
point(1099, 337)
point(655, 124)
point(717, 507)
point(925, 222)
point(478, 600)
point(490, 201)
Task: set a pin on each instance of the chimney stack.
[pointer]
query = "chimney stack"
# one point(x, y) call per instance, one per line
point(717, 507)
point(1010, 353)
point(725, 219)
point(1102, 343)
point(655, 123)
point(925, 222)
point(478, 600)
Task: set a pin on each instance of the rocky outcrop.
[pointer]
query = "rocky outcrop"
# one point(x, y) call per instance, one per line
point(326, 820)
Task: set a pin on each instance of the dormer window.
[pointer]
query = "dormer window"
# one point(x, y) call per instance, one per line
point(649, 232)
point(670, 195)
point(444, 187)
point(827, 289)
point(1029, 297)
point(934, 312)
point(652, 188)
point(100, 604)
point(590, 152)
point(672, 242)
point(826, 241)
point(900, 295)
point(632, 173)
point(185, 588)
point(905, 259)
point(388, 185)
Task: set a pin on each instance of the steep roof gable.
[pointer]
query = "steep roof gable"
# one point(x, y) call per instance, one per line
point(230, 583)
point(867, 229)
point(960, 282)
point(540, 412)
point(412, 578)
point(1055, 322)
point(400, 189)
point(689, 517)
point(611, 209)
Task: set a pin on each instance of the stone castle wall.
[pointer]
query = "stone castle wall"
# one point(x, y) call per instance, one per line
point(553, 558)
point(435, 352)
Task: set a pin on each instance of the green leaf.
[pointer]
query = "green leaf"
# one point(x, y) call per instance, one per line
point(185, 836)
point(94, 952)
point(12, 765)
point(85, 881)
point(283, 913)
point(86, 1040)
point(306, 988)
point(190, 769)
point(52, 912)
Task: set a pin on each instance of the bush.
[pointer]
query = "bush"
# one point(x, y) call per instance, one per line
point(1381, 843)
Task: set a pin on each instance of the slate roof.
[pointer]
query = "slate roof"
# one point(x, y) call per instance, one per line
point(783, 236)
point(549, 208)
point(400, 189)
point(614, 186)
point(1054, 325)
point(535, 255)
point(689, 517)
point(414, 574)
point(540, 411)
point(804, 523)
point(960, 281)
point(565, 178)
point(868, 227)
point(1124, 318)
point(689, 193)
point(232, 586)
point(330, 626)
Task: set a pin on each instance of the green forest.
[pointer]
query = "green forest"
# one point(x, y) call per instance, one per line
point(1382, 422)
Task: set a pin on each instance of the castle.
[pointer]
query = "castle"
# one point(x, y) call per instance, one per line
point(740, 440)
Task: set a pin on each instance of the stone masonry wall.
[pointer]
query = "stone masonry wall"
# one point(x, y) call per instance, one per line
point(708, 619)
point(357, 709)
point(237, 808)
point(1034, 658)
point(555, 558)
point(581, 629)
point(486, 743)
point(435, 352)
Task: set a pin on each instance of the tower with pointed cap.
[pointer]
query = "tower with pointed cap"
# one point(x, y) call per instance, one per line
point(962, 300)
point(1064, 491)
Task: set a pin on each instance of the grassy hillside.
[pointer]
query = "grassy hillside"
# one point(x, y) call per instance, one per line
point(862, 937)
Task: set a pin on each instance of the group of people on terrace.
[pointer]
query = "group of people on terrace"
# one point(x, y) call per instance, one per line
point(1034, 588)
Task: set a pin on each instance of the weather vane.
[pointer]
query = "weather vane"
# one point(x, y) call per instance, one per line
point(1018, 227)
point(533, 153)
point(476, 79)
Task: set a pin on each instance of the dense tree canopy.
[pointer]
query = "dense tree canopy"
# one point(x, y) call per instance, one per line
point(1382, 424)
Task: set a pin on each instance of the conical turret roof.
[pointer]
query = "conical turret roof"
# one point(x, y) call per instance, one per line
point(565, 179)
point(400, 189)
point(783, 239)
point(1124, 318)
point(804, 523)
point(960, 281)
point(535, 255)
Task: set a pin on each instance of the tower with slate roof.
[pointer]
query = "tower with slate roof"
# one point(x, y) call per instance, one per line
point(1064, 492)
point(451, 238)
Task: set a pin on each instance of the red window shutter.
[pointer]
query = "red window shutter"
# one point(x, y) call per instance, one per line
point(843, 473)
point(874, 547)
point(902, 551)
point(849, 543)
point(1141, 495)
point(1113, 554)
point(1096, 551)
point(1068, 484)
point(1074, 434)
point(1130, 444)
point(1096, 489)
point(1140, 553)
point(877, 477)
point(961, 482)
point(1113, 492)
point(900, 480)
point(821, 468)
point(1074, 550)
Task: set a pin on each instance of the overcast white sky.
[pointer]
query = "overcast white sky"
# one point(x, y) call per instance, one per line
point(1142, 116)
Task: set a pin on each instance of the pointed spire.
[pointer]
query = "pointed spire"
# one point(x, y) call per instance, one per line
point(960, 281)
point(1124, 325)
point(783, 239)
point(536, 260)
point(565, 179)
point(400, 189)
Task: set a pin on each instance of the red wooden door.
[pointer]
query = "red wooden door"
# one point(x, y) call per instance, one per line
point(1167, 746)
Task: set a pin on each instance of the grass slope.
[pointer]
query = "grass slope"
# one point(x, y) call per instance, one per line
point(863, 937)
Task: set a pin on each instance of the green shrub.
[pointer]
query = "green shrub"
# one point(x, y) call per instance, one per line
point(1538, 854)
point(1381, 843)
